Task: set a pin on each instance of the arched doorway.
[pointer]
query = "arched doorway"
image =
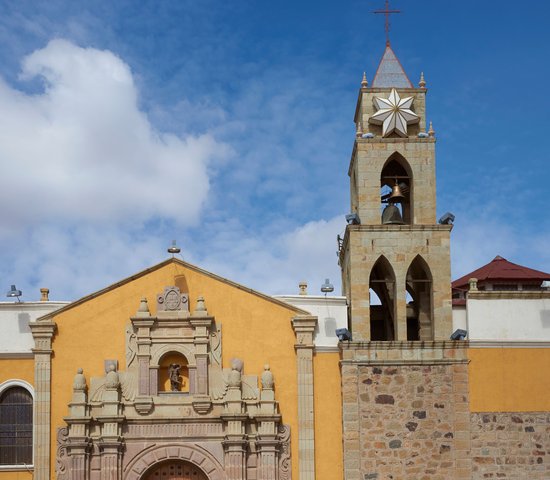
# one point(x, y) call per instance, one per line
point(174, 470)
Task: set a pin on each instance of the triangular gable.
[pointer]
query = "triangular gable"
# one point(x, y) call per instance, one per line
point(160, 265)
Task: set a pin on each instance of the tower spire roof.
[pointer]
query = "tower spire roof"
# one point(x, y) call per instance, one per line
point(390, 72)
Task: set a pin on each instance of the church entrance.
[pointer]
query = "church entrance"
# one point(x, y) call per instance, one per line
point(175, 470)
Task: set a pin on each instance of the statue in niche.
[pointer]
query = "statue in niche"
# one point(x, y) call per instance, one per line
point(176, 382)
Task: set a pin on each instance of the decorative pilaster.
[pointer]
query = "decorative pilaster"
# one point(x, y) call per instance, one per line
point(235, 457)
point(268, 420)
point(42, 333)
point(111, 419)
point(304, 327)
point(201, 322)
point(143, 322)
point(78, 441)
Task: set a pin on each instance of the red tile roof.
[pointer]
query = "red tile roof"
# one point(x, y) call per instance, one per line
point(500, 269)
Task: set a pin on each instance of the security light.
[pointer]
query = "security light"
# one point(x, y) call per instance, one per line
point(459, 334)
point(447, 219)
point(14, 293)
point(343, 334)
point(353, 219)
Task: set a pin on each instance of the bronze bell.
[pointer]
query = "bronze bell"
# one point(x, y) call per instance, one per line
point(396, 194)
point(392, 216)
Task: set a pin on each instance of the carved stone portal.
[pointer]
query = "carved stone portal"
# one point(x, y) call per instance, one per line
point(194, 416)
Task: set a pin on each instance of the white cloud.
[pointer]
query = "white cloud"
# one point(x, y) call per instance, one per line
point(89, 187)
point(82, 151)
point(275, 261)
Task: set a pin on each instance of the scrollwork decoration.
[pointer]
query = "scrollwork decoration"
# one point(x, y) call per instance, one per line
point(61, 460)
point(285, 465)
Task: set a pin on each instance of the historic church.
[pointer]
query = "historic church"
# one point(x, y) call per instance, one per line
point(176, 373)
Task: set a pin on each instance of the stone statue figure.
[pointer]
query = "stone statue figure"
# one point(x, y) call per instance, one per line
point(175, 379)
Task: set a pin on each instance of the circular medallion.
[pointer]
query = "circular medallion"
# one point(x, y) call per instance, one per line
point(172, 300)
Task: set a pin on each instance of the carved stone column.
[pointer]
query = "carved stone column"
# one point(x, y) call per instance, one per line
point(78, 441)
point(268, 420)
point(268, 449)
point(110, 443)
point(143, 323)
point(42, 333)
point(235, 457)
point(201, 322)
point(304, 327)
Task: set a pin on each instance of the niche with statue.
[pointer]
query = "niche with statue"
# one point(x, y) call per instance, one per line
point(173, 374)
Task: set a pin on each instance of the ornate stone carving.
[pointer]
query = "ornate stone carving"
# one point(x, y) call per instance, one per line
point(234, 379)
point(285, 465)
point(131, 345)
point(127, 423)
point(216, 345)
point(171, 300)
point(267, 378)
point(128, 387)
point(62, 459)
point(112, 379)
point(79, 383)
point(200, 308)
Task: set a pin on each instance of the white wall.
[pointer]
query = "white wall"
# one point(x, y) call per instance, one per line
point(331, 312)
point(15, 334)
point(519, 319)
point(459, 317)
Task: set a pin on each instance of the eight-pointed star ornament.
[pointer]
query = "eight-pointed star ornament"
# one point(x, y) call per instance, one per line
point(394, 114)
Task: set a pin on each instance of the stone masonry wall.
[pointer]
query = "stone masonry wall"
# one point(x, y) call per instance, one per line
point(411, 424)
point(512, 445)
point(404, 418)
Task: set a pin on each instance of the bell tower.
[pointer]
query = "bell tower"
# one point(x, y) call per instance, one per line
point(395, 257)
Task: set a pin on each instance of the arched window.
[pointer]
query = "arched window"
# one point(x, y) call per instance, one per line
point(15, 424)
point(420, 306)
point(396, 172)
point(382, 301)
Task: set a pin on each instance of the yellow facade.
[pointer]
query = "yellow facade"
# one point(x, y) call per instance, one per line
point(509, 379)
point(17, 369)
point(255, 328)
point(328, 417)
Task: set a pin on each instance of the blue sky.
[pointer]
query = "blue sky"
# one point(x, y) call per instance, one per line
point(229, 127)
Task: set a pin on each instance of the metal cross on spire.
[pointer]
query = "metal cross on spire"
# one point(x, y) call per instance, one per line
point(387, 12)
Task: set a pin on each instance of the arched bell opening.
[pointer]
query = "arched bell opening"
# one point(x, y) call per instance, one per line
point(382, 301)
point(174, 470)
point(420, 306)
point(173, 373)
point(396, 191)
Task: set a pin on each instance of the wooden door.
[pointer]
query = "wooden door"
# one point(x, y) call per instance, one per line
point(175, 470)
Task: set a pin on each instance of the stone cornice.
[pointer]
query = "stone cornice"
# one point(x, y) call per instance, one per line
point(509, 344)
point(508, 295)
point(404, 352)
point(387, 228)
point(304, 323)
point(16, 355)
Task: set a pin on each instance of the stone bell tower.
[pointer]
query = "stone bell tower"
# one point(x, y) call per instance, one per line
point(395, 256)
point(405, 400)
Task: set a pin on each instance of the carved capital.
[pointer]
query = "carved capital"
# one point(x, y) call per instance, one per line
point(304, 328)
point(42, 333)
